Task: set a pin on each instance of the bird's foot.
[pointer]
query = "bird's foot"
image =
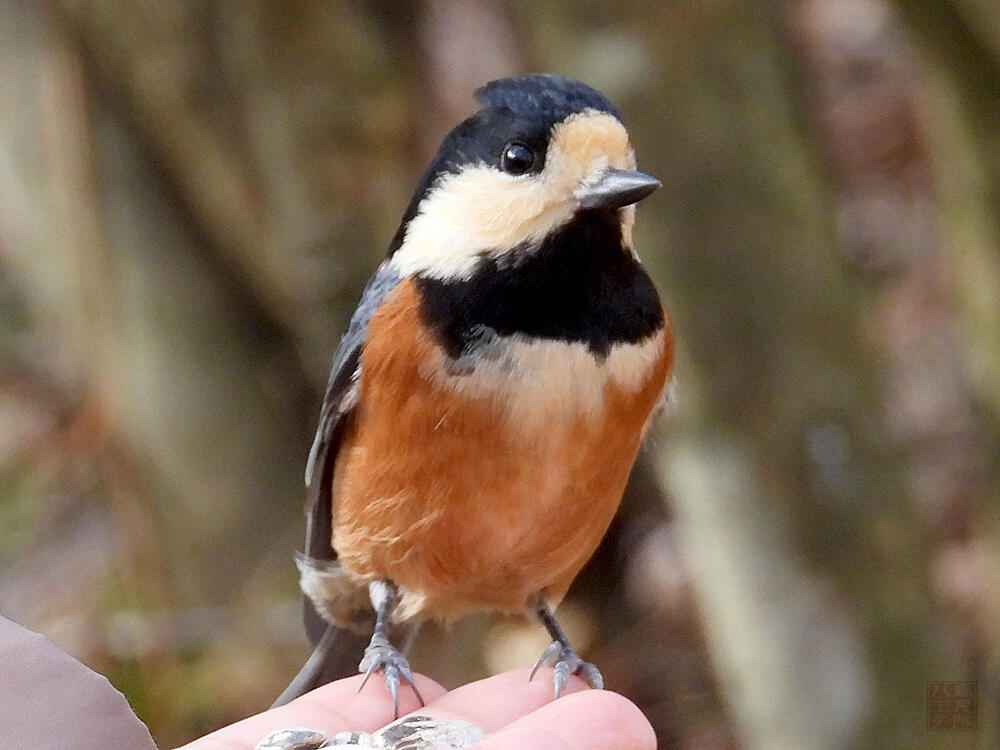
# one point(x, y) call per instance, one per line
point(565, 661)
point(382, 656)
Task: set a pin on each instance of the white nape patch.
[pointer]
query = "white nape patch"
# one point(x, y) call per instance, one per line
point(484, 212)
point(545, 383)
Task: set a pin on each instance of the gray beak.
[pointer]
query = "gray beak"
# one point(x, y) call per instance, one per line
point(617, 188)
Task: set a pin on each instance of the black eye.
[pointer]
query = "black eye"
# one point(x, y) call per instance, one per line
point(517, 158)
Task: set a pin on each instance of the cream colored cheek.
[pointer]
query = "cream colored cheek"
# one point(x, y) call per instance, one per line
point(495, 208)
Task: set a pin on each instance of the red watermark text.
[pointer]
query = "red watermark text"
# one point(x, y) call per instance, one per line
point(951, 705)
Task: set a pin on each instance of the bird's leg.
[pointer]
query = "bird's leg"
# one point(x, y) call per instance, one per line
point(382, 656)
point(561, 655)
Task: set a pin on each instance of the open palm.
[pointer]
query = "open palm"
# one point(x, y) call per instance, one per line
point(513, 712)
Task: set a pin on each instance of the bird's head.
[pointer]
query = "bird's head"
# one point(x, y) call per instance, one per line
point(543, 151)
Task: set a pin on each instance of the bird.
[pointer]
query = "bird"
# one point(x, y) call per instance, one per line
point(488, 399)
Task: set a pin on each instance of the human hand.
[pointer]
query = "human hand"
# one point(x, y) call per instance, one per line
point(513, 712)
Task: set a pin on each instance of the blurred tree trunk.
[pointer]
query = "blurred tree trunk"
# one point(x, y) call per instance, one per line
point(864, 80)
point(960, 40)
point(179, 238)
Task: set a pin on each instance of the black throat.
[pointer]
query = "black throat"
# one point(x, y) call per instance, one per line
point(579, 285)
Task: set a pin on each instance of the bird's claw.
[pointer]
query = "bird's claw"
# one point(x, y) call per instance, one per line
point(382, 656)
point(565, 661)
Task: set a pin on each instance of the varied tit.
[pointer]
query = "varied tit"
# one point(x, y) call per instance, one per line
point(488, 399)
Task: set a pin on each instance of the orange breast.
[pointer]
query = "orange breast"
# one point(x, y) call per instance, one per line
point(443, 487)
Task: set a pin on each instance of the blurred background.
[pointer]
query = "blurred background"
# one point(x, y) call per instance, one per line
point(192, 194)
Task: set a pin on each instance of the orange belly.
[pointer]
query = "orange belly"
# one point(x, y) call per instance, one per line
point(446, 491)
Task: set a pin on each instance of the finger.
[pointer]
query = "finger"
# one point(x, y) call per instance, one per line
point(496, 701)
point(586, 720)
point(332, 708)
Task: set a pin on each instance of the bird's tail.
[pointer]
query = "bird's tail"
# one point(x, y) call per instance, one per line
point(335, 655)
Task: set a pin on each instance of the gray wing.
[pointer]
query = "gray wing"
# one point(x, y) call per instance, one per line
point(338, 404)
